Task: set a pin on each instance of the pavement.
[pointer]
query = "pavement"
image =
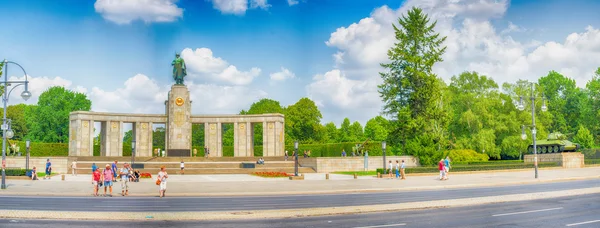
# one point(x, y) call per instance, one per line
point(314, 183)
point(572, 211)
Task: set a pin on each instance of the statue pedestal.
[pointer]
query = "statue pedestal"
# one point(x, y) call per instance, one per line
point(179, 129)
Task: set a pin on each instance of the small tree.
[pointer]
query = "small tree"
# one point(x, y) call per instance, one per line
point(584, 137)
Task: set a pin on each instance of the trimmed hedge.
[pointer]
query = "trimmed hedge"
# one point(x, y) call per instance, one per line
point(15, 172)
point(464, 168)
point(44, 149)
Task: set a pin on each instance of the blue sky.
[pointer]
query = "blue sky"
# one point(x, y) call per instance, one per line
point(79, 42)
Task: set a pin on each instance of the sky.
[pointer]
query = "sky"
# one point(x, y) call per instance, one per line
point(118, 52)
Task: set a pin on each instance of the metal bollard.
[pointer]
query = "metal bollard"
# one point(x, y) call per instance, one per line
point(378, 175)
point(327, 176)
point(355, 176)
point(62, 177)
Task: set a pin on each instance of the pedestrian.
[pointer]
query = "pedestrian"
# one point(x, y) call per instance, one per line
point(182, 166)
point(397, 169)
point(162, 181)
point(125, 180)
point(402, 166)
point(107, 179)
point(94, 167)
point(115, 169)
point(34, 174)
point(96, 180)
point(48, 169)
point(390, 168)
point(447, 166)
point(442, 169)
point(74, 167)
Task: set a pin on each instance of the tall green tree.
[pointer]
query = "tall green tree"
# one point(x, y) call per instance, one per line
point(565, 101)
point(303, 121)
point(262, 106)
point(376, 129)
point(51, 117)
point(345, 134)
point(411, 92)
point(198, 135)
point(584, 137)
point(158, 137)
point(331, 132)
point(592, 114)
point(18, 114)
point(356, 131)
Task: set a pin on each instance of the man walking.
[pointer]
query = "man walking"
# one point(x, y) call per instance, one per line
point(442, 169)
point(74, 167)
point(48, 169)
point(124, 180)
point(107, 179)
point(447, 166)
point(402, 166)
point(115, 169)
point(182, 166)
point(397, 169)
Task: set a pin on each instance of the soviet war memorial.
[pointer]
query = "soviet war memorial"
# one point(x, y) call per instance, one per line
point(300, 113)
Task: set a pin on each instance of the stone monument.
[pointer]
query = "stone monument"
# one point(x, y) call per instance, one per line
point(179, 111)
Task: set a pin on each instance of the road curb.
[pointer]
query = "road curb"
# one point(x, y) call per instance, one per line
point(289, 213)
point(320, 192)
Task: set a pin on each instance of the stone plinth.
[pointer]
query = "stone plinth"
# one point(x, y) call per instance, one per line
point(336, 164)
point(59, 164)
point(566, 160)
point(179, 129)
point(143, 139)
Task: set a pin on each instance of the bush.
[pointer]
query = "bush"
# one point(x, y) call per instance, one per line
point(271, 174)
point(44, 149)
point(467, 156)
point(591, 153)
point(15, 172)
point(482, 167)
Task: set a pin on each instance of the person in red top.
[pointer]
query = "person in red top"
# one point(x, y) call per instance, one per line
point(96, 180)
point(442, 170)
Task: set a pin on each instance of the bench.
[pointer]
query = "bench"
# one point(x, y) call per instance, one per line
point(247, 165)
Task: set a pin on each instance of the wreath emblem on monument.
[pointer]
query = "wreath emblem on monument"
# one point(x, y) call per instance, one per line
point(179, 101)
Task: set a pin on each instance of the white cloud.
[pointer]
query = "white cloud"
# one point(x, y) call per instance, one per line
point(473, 43)
point(259, 4)
point(282, 75)
point(292, 2)
point(141, 94)
point(201, 63)
point(126, 11)
point(237, 7)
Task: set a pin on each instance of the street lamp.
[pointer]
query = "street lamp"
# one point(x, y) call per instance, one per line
point(521, 107)
point(27, 156)
point(132, 152)
point(383, 148)
point(6, 131)
point(296, 158)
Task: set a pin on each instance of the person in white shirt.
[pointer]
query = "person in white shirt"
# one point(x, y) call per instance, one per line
point(182, 166)
point(74, 167)
point(124, 173)
point(162, 176)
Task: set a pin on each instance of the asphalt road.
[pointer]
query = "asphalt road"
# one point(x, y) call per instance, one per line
point(575, 211)
point(174, 204)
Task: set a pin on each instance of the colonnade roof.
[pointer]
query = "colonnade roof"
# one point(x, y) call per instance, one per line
point(162, 118)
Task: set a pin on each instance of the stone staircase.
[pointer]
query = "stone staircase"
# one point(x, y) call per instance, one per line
point(193, 165)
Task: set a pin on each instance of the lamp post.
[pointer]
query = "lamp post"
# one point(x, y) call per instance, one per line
point(6, 131)
point(27, 156)
point(521, 107)
point(296, 158)
point(132, 152)
point(383, 148)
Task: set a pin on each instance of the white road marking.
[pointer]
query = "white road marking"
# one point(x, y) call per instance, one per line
point(581, 223)
point(525, 212)
point(129, 206)
point(389, 225)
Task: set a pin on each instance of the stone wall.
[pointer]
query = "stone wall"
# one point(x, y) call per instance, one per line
point(59, 164)
point(334, 164)
point(566, 160)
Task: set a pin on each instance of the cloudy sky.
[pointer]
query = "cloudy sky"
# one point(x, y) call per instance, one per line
point(119, 52)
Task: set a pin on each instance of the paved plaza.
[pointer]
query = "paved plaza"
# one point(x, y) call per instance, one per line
point(314, 183)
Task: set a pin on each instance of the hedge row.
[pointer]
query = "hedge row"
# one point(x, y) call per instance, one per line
point(464, 168)
point(43, 149)
point(15, 172)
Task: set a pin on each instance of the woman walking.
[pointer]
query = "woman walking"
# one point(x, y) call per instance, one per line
point(162, 181)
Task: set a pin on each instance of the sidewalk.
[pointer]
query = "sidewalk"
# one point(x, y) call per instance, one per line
point(314, 183)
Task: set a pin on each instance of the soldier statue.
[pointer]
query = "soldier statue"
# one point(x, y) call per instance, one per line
point(179, 70)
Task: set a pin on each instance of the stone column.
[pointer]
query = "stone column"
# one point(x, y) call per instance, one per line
point(103, 138)
point(242, 140)
point(279, 142)
point(112, 139)
point(250, 139)
point(219, 148)
point(212, 138)
point(143, 139)
point(269, 140)
point(91, 136)
point(80, 139)
point(179, 124)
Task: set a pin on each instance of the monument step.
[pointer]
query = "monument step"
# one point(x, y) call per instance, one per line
point(151, 165)
point(218, 170)
point(179, 159)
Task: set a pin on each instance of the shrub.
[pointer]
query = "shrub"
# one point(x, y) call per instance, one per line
point(15, 172)
point(467, 156)
point(480, 167)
